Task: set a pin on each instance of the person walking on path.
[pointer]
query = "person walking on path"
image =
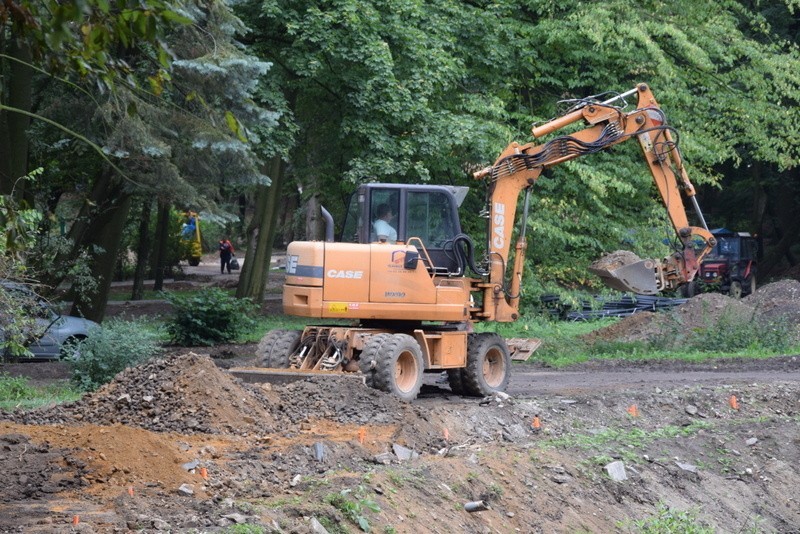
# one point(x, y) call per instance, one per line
point(226, 252)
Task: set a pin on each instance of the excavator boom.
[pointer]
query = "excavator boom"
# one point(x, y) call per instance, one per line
point(519, 166)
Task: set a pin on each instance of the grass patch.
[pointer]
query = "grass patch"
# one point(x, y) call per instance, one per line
point(668, 521)
point(16, 392)
point(627, 440)
point(564, 344)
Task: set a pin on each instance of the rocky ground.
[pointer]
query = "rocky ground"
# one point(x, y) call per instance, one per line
point(180, 445)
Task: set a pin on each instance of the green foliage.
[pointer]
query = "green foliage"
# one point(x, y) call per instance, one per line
point(110, 349)
point(16, 392)
point(354, 506)
point(668, 521)
point(17, 224)
point(81, 38)
point(209, 317)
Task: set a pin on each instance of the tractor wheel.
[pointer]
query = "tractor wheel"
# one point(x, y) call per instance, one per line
point(455, 377)
point(488, 365)
point(751, 284)
point(399, 368)
point(368, 361)
point(689, 290)
point(736, 289)
point(275, 348)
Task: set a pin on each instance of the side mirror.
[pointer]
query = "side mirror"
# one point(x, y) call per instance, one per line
point(410, 263)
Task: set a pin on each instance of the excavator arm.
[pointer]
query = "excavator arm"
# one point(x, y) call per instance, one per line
point(519, 166)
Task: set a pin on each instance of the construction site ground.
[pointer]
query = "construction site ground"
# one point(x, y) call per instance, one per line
point(179, 445)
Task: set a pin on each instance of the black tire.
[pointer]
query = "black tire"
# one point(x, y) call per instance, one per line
point(736, 291)
point(455, 377)
point(194, 262)
point(399, 368)
point(284, 347)
point(689, 289)
point(275, 348)
point(488, 365)
point(368, 360)
point(266, 346)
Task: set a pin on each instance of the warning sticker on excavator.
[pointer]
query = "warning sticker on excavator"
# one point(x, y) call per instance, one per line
point(337, 307)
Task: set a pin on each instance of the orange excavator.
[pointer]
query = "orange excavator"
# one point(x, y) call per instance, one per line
point(405, 277)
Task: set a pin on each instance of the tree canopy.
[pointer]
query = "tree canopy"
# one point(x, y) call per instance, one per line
point(192, 102)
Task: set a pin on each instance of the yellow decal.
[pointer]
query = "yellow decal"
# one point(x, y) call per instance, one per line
point(337, 307)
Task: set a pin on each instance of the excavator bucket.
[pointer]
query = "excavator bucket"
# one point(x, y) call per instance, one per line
point(625, 271)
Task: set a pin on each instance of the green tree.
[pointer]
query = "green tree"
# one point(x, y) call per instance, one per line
point(179, 142)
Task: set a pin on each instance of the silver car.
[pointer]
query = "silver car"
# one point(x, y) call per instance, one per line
point(54, 332)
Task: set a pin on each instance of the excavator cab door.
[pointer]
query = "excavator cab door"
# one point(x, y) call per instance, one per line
point(429, 213)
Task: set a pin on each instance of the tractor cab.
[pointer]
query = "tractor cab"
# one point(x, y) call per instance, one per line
point(397, 213)
point(731, 266)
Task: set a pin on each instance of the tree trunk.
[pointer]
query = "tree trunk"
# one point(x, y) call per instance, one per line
point(315, 226)
point(106, 238)
point(162, 234)
point(142, 251)
point(91, 217)
point(260, 236)
point(14, 126)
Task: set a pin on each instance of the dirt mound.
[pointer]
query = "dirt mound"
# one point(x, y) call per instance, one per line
point(704, 310)
point(189, 394)
point(778, 299)
point(182, 393)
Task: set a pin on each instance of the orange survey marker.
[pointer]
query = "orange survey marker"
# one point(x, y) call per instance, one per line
point(734, 403)
point(446, 435)
point(204, 473)
point(362, 434)
point(633, 410)
point(76, 519)
point(537, 425)
point(130, 491)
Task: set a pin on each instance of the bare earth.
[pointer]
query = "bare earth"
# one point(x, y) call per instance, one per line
point(721, 439)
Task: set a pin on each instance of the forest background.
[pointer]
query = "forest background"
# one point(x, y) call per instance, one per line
point(118, 116)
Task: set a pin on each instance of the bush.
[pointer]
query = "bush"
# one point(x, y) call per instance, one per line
point(208, 317)
point(109, 349)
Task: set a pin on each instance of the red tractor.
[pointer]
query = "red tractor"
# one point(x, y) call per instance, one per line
point(729, 268)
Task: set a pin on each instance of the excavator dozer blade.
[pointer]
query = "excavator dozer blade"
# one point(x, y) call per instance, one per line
point(639, 277)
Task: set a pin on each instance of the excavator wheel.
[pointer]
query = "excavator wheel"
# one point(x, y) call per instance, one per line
point(455, 377)
point(488, 365)
point(276, 347)
point(369, 357)
point(399, 367)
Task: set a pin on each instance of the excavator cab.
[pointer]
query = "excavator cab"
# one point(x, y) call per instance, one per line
point(428, 213)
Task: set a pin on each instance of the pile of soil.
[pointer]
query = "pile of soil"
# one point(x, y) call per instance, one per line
point(182, 393)
point(778, 301)
point(615, 260)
